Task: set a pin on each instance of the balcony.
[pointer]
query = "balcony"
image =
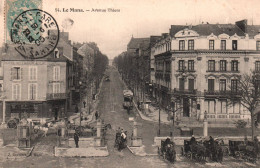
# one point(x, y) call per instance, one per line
point(184, 91)
point(56, 96)
point(222, 93)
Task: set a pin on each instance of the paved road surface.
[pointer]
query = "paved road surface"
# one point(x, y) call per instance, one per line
point(111, 110)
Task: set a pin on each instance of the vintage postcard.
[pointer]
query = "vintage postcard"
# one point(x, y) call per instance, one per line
point(129, 83)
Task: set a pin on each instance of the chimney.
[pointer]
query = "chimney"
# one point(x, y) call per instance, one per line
point(64, 35)
point(242, 25)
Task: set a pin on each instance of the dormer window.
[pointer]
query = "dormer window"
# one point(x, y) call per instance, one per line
point(234, 44)
point(211, 44)
point(56, 53)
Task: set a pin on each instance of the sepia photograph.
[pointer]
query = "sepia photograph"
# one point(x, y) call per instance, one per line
point(129, 83)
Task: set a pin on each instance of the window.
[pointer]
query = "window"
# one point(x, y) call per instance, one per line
point(234, 83)
point(56, 87)
point(223, 45)
point(234, 65)
point(16, 92)
point(223, 106)
point(258, 45)
point(32, 73)
point(16, 73)
point(181, 45)
point(181, 84)
point(257, 66)
point(168, 66)
point(211, 44)
point(222, 84)
point(234, 44)
point(181, 65)
point(211, 65)
point(191, 84)
point(32, 91)
point(191, 65)
point(211, 83)
point(56, 73)
point(223, 65)
point(191, 45)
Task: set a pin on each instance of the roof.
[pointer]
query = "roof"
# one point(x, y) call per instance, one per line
point(134, 42)
point(252, 30)
point(12, 55)
point(207, 29)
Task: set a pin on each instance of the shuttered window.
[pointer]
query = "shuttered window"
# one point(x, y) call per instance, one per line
point(16, 91)
point(56, 87)
point(32, 91)
point(16, 73)
point(33, 73)
point(56, 73)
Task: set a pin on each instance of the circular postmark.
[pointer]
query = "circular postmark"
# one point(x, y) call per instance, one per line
point(35, 33)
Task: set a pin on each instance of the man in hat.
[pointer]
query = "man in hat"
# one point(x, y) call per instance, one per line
point(192, 140)
point(76, 138)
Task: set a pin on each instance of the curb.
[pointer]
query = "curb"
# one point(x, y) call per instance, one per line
point(30, 153)
point(146, 154)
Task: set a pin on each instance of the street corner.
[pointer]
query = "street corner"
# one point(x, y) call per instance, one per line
point(137, 150)
point(82, 152)
point(11, 152)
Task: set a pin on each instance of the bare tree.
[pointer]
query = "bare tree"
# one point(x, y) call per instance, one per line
point(249, 94)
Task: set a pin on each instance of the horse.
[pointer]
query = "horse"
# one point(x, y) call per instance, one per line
point(170, 153)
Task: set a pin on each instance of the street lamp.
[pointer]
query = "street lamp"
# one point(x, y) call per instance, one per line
point(80, 83)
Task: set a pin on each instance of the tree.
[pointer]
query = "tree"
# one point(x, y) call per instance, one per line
point(248, 89)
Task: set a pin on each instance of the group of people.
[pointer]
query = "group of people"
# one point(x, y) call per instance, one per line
point(121, 137)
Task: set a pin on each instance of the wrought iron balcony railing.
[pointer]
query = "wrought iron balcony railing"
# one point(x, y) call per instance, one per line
point(55, 96)
point(184, 91)
point(222, 93)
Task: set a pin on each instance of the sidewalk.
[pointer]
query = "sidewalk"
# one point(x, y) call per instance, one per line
point(87, 117)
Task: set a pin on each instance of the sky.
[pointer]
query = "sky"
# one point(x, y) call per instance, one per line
point(140, 18)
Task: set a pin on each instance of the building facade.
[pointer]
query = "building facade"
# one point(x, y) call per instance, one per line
point(41, 87)
point(196, 68)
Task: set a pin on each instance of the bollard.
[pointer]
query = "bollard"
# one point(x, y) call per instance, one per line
point(135, 129)
point(205, 128)
point(98, 129)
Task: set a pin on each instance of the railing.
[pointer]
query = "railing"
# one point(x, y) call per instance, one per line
point(222, 93)
point(219, 71)
point(184, 91)
point(54, 96)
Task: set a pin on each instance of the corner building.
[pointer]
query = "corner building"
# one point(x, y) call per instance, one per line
point(196, 68)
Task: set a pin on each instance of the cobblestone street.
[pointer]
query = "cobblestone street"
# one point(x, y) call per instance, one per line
point(111, 110)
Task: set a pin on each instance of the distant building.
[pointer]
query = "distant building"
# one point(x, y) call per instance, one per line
point(196, 68)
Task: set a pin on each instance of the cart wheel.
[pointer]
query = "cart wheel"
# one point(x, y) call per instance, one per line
point(237, 154)
point(182, 151)
point(226, 151)
point(35, 131)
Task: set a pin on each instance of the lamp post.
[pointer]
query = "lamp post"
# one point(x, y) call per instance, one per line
point(80, 83)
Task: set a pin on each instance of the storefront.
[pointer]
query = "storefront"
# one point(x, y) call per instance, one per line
point(24, 109)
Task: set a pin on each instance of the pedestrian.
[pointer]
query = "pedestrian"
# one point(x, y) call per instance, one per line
point(138, 104)
point(96, 115)
point(76, 139)
point(76, 109)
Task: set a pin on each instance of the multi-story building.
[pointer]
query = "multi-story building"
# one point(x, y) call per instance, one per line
point(196, 68)
point(40, 87)
point(139, 51)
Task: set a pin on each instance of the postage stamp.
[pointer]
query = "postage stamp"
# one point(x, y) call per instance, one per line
point(35, 33)
point(13, 8)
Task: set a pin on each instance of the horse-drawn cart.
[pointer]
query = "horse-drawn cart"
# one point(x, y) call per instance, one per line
point(244, 150)
point(167, 150)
